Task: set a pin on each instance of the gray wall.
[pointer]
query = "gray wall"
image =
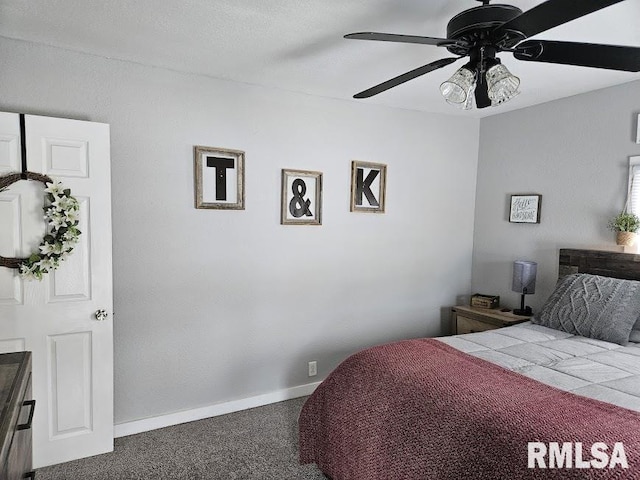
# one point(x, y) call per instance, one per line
point(212, 306)
point(575, 153)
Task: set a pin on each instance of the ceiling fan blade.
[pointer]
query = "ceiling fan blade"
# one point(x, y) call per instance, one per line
point(392, 37)
point(405, 77)
point(550, 14)
point(612, 57)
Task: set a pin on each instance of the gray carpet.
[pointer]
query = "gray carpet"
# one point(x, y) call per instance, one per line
point(261, 443)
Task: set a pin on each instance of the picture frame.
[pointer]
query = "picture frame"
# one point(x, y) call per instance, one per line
point(219, 178)
point(368, 187)
point(525, 208)
point(301, 197)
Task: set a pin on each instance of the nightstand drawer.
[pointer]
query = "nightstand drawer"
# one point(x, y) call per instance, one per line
point(469, 325)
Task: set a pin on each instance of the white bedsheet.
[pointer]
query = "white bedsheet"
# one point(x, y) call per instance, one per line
point(592, 368)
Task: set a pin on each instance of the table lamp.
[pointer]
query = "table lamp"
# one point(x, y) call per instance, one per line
point(524, 282)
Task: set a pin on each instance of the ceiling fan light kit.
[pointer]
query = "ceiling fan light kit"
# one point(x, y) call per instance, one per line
point(502, 86)
point(482, 32)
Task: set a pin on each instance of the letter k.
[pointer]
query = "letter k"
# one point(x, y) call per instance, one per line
point(364, 187)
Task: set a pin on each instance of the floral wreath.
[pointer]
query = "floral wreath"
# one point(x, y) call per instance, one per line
point(61, 213)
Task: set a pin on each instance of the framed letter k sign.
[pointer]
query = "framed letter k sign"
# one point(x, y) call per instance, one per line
point(368, 183)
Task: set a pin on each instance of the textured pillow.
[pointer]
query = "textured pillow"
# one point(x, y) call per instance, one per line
point(593, 306)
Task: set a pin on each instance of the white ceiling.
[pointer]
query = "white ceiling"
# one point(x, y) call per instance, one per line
point(298, 45)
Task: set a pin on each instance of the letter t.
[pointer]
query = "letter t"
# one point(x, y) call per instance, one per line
point(221, 165)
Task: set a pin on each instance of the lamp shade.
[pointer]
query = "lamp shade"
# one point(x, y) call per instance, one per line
point(502, 84)
point(524, 277)
point(457, 90)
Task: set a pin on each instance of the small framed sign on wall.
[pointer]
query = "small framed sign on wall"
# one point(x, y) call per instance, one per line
point(368, 184)
point(525, 208)
point(301, 197)
point(219, 178)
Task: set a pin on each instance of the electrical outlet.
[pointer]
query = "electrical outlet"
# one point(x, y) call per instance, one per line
point(313, 368)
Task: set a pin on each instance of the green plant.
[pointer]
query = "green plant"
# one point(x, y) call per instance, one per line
point(625, 222)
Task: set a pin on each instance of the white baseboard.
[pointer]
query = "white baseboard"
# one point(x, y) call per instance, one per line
point(152, 423)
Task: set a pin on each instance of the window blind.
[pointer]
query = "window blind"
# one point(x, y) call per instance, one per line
point(633, 198)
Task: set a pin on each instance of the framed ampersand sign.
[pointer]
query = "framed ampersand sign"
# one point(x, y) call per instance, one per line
point(301, 197)
point(61, 212)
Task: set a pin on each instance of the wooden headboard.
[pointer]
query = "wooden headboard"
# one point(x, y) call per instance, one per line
point(599, 262)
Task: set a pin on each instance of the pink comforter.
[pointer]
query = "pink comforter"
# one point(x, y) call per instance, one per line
point(420, 410)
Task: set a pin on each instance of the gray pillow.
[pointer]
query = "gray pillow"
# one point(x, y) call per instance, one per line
point(593, 306)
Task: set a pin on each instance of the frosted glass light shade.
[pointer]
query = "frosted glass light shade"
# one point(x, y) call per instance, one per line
point(524, 277)
point(502, 84)
point(457, 90)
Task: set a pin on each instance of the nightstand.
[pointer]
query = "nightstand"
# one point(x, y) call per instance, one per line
point(472, 319)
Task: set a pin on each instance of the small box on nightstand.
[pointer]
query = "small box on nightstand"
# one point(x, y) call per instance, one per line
point(485, 301)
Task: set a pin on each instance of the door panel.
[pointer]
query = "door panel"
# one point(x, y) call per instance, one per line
point(54, 318)
point(10, 285)
point(65, 157)
point(9, 143)
point(70, 373)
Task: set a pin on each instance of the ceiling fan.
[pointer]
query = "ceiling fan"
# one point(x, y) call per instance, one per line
point(482, 32)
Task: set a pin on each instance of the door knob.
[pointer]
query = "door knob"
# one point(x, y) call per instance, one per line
point(101, 314)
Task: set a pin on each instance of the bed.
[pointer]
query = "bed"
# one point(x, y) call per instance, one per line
point(558, 397)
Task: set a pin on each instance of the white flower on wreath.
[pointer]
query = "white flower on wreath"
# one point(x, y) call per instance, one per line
point(54, 188)
point(47, 264)
point(71, 236)
point(71, 216)
point(29, 272)
point(64, 204)
point(57, 221)
point(46, 248)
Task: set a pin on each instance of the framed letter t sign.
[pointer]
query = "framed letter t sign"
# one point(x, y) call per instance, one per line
point(368, 183)
point(219, 177)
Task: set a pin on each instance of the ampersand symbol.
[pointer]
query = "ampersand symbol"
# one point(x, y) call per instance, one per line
point(298, 206)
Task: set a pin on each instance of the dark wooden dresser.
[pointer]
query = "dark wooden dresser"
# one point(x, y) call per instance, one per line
point(17, 414)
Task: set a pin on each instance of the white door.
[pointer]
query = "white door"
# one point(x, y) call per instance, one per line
point(55, 318)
